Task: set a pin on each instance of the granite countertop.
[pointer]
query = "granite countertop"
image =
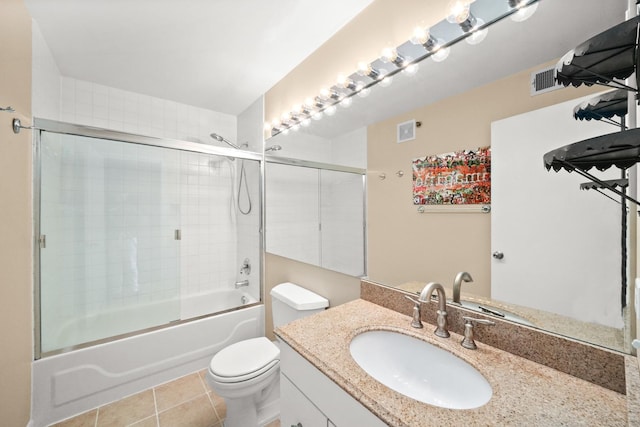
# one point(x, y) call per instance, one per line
point(524, 392)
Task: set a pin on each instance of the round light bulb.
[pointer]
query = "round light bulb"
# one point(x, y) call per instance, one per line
point(317, 115)
point(477, 36)
point(420, 35)
point(285, 131)
point(363, 68)
point(524, 13)
point(346, 102)
point(410, 69)
point(330, 110)
point(441, 54)
point(388, 54)
point(267, 126)
point(325, 93)
point(306, 122)
point(386, 81)
point(459, 11)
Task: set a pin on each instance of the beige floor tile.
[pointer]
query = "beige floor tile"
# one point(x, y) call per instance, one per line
point(203, 376)
point(147, 422)
point(88, 419)
point(219, 405)
point(194, 413)
point(127, 411)
point(178, 391)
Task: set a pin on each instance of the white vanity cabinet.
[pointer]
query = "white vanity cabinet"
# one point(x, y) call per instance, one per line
point(308, 398)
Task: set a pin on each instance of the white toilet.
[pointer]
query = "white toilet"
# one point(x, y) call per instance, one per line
point(247, 374)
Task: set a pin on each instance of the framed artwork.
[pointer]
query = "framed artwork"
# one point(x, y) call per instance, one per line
point(457, 178)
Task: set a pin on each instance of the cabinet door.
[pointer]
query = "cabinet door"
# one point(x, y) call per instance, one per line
point(296, 409)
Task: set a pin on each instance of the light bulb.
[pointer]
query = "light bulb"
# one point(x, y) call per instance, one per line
point(477, 36)
point(295, 127)
point(267, 126)
point(317, 115)
point(366, 70)
point(275, 123)
point(524, 13)
point(346, 82)
point(441, 54)
point(410, 68)
point(285, 117)
point(388, 55)
point(346, 102)
point(306, 122)
point(420, 35)
point(285, 131)
point(386, 81)
point(459, 11)
point(309, 104)
point(325, 93)
point(330, 110)
point(362, 90)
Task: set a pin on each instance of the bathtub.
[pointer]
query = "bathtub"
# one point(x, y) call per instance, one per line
point(67, 384)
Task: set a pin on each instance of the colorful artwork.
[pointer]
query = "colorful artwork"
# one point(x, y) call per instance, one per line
point(458, 178)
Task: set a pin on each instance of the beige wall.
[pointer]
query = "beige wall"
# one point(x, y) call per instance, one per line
point(338, 288)
point(405, 245)
point(385, 23)
point(15, 216)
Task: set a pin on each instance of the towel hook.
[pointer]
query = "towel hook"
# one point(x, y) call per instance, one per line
point(17, 125)
point(8, 109)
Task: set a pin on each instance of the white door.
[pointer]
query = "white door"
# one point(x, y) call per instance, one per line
point(561, 245)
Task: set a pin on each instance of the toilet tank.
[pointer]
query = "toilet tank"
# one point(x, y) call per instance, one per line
point(290, 302)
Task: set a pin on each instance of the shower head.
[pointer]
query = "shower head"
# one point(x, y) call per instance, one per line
point(220, 138)
point(273, 148)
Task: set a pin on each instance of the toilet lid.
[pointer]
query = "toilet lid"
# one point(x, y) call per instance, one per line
point(246, 359)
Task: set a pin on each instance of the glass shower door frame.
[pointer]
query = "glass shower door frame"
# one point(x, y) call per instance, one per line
point(41, 125)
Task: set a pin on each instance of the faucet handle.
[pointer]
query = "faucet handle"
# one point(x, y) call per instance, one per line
point(415, 322)
point(468, 341)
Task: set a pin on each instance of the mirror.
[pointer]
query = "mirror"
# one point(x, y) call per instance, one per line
point(456, 102)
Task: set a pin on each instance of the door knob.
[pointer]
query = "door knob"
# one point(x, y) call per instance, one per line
point(498, 255)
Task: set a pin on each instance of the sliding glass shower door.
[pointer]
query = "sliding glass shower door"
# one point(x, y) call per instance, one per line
point(136, 236)
point(109, 223)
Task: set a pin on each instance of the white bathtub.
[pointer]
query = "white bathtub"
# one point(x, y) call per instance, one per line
point(74, 382)
point(196, 305)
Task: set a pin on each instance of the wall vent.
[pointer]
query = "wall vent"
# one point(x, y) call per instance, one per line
point(544, 81)
point(406, 131)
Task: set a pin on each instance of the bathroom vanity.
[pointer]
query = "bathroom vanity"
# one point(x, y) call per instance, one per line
point(321, 379)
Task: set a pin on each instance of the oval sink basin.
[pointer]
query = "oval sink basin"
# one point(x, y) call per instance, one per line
point(420, 370)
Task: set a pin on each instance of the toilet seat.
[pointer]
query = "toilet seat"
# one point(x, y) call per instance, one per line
point(244, 360)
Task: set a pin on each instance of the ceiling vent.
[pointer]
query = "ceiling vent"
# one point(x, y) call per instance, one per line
point(544, 81)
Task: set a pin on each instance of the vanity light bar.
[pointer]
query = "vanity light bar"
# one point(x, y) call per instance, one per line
point(473, 29)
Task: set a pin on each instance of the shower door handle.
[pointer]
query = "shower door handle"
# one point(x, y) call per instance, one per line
point(42, 241)
point(177, 235)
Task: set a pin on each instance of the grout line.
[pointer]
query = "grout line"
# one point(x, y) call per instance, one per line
point(97, 415)
point(155, 406)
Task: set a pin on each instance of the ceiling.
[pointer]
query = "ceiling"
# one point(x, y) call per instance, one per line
point(216, 54)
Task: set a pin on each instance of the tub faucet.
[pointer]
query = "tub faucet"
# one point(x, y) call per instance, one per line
point(462, 276)
point(242, 283)
point(425, 296)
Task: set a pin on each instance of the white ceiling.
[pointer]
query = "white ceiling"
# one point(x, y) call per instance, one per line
point(216, 54)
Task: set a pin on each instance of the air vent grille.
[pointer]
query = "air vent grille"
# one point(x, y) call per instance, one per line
point(544, 81)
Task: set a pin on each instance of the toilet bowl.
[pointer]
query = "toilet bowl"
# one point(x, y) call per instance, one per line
point(247, 374)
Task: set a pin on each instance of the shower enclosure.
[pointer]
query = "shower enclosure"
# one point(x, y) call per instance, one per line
point(137, 233)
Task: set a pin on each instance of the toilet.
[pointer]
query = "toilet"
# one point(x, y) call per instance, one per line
point(247, 374)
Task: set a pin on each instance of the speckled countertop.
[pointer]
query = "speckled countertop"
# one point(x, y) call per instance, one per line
point(524, 392)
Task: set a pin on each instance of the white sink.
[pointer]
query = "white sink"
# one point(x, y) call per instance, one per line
point(420, 370)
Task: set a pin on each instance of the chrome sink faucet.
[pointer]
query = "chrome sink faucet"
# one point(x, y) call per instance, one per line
point(457, 282)
point(425, 296)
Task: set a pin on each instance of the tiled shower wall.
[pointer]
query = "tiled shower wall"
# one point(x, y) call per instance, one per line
point(206, 188)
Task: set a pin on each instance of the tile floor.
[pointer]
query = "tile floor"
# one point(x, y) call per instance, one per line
point(185, 402)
